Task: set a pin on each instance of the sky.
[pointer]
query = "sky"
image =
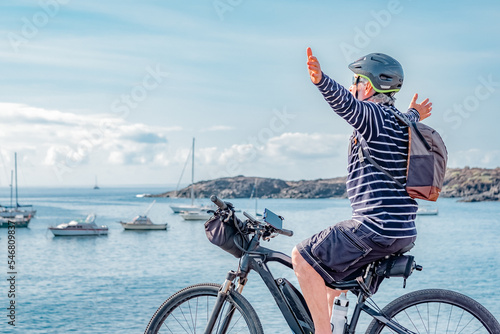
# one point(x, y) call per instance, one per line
point(117, 90)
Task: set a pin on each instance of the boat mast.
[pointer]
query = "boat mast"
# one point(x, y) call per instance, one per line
point(11, 185)
point(192, 175)
point(15, 168)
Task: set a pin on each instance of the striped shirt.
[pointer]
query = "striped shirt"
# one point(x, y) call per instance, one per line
point(377, 202)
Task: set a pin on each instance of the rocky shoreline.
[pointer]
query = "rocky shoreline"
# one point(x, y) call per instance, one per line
point(467, 184)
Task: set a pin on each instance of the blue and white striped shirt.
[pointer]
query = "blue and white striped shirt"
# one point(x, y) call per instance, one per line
point(377, 201)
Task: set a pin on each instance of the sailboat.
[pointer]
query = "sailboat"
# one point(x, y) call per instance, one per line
point(96, 186)
point(17, 214)
point(181, 208)
point(254, 195)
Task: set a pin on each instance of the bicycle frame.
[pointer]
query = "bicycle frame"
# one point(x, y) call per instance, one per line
point(256, 259)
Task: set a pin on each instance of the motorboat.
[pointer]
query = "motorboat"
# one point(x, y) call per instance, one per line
point(17, 221)
point(80, 227)
point(195, 215)
point(143, 223)
point(427, 211)
point(180, 208)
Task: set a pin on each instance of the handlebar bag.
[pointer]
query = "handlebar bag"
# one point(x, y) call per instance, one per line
point(222, 232)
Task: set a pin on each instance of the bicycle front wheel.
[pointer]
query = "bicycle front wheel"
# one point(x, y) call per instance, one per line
point(437, 311)
point(189, 310)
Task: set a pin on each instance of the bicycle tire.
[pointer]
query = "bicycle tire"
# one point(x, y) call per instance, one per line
point(183, 313)
point(437, 311)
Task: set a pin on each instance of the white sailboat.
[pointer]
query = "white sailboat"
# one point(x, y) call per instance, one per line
point(96, 186)
point(181, 208)
point(21, 213)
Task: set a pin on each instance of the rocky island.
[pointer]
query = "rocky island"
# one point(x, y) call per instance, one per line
point(468, 184)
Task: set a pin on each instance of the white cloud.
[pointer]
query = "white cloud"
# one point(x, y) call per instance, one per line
point(474, 158)
point(287, 156)
point(68, 139)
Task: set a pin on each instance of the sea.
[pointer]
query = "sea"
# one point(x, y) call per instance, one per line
point(114, 283)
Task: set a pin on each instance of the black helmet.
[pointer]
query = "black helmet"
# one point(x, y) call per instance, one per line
point(384, 72)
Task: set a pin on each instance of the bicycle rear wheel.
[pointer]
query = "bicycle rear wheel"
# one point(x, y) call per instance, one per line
point(188, 311)
point(437, 311)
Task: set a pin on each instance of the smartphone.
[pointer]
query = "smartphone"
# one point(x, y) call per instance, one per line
point(273, 219)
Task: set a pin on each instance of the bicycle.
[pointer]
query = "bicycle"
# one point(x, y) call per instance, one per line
point(214, 308)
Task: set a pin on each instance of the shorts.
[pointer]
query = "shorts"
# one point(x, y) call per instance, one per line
point(339, 252)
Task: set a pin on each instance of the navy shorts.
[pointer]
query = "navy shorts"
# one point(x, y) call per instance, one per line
point(343, 249)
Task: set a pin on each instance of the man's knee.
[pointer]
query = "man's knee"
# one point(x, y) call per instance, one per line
point(298, 261)
point(296, 255)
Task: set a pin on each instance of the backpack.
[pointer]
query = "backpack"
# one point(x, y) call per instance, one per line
point(427, 157)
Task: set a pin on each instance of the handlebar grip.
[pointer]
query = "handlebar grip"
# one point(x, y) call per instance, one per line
point(217, 201)
point(288, 233)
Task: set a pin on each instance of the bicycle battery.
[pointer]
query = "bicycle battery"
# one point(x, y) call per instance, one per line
point(297, 304)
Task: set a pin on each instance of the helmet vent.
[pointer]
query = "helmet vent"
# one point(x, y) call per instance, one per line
point(384, 77)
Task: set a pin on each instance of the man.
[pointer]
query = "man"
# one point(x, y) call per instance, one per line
point(383, 218)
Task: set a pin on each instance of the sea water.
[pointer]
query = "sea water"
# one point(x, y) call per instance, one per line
point(114, 283)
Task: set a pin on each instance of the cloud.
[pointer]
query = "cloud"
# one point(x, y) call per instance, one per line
point(474, 158)
point(56, 138)
point(288, 156)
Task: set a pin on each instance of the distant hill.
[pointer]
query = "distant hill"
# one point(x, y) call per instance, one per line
point(469, 184)
point(472, 184)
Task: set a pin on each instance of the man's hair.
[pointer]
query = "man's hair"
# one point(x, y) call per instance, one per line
point(381, 98)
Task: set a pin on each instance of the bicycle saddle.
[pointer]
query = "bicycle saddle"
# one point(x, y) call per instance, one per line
point(405, 249)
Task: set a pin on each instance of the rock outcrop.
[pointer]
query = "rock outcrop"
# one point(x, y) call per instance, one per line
point(468, 184)
point(242, 187)
point(472, 184)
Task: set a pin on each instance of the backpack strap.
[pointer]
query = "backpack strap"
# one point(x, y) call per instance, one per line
point(363, 154)
point(403, 119)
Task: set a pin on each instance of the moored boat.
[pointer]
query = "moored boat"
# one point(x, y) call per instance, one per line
point(17, 221)
point(427, 211)
point(142, 223)
point(80, 227)
point(195, 215)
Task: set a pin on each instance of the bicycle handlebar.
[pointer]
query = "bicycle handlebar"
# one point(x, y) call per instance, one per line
point(217, 201)
point(288, 233)
point(223, 206)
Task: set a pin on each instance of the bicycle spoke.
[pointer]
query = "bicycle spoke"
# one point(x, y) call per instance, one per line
point(421, 319)
point(467, 326)
point(449, 319)
point(234, 322)
point(458, 324)
point(409, 318)
point(175, 318)
point(185, 320)
point(437, 317)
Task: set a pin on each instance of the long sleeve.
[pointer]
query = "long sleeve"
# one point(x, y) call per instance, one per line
point(363, 116)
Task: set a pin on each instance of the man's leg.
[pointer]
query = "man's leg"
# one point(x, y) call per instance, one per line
point(331, 294)
point(315, 292)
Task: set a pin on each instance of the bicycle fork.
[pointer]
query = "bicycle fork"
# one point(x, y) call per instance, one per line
point(219, 303)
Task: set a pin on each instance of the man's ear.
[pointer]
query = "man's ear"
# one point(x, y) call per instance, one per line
point(368, 89)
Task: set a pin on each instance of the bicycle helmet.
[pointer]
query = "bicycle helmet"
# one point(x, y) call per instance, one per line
point(384, 72)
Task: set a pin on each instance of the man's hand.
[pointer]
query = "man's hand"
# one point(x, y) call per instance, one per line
point(313, 67)
point(424, 108)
